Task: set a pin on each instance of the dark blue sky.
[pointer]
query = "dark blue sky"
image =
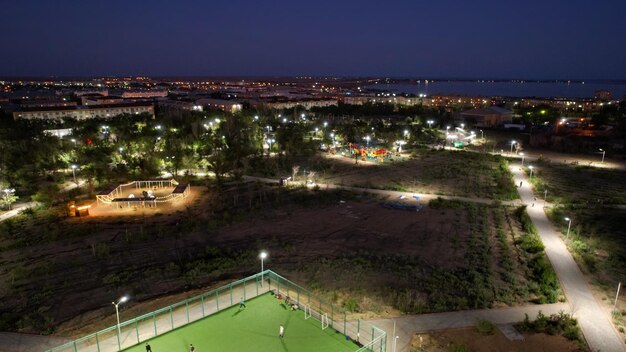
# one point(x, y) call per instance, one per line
point(443, 38)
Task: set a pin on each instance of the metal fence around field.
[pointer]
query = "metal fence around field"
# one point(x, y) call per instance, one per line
point(161, 321)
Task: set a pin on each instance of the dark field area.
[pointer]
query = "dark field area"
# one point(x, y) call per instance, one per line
point(60, 274)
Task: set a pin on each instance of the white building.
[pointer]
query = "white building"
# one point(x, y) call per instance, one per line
point(83, 112)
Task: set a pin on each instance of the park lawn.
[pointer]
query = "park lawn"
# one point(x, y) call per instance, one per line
point(254, 328)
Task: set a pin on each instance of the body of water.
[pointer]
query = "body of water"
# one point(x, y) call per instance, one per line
point(508, 89)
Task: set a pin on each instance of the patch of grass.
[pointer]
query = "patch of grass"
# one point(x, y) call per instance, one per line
point(556, 324)
point(485, 327)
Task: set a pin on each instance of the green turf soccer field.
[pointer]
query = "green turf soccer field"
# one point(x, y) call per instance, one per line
point(254, 328)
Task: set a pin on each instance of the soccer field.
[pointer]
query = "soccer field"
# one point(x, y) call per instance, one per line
point(254, 328)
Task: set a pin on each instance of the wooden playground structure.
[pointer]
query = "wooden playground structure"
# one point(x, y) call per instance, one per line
point(143, 194)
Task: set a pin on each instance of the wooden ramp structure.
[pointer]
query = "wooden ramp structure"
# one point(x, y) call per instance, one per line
point(120, 196)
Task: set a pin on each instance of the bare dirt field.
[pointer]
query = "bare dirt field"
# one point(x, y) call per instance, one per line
point(62, 273)
point(445, 172)
point(470, 339)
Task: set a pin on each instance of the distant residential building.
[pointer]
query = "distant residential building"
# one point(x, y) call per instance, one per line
point(45, 103)
point(602, 95)
point(59, 132)
point(101, 92)
point(305, 103)
point(83, 112)
point(378, 99)
point(180, 105)
point(487, 117)
point(221, 104)
point(144, 94)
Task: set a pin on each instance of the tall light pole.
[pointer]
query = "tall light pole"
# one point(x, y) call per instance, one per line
point(262, 255)
point(512, 144)
point(430, 123)
point(603, 152)
point(482, 134)
point(531, 172)
point(8, 192)
point(332, 136)
point(522, 154)
point(447, 129)
point(569, 226)
point(367, 138)
point(117, 313)
point(74, 173)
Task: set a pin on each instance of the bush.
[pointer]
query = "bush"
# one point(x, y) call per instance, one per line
point(485, 327)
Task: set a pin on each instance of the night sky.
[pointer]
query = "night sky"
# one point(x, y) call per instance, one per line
point(454, 39)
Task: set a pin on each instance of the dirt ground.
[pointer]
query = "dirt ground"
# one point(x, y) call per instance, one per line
point(470, 339)
point(347, 248)
point(444, 172)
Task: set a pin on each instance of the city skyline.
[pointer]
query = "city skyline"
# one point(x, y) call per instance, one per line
point(491, 40)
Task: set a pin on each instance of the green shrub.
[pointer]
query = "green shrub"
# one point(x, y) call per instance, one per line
point(485, 327)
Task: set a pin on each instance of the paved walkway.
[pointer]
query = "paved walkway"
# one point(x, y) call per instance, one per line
point(595, 323)
point(407, 326)
point(15, 342)
point(16, 209)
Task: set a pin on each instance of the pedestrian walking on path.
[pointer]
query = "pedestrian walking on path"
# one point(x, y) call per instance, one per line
point(281, 331)
point(191, 348)
point(148, 348)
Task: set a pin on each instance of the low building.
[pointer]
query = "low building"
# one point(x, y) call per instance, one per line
point(182, 105)
point(221, 104)
point(83, 112)
point(144, 94)
point(487, 117)
point(305, 103)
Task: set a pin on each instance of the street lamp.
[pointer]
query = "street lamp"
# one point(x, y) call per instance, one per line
point(74, 173)
point(332, 136)
point(522, 154)
point(262, 255)
point(531, 172)
point(430, 123)
point(256, 117)
point(482, 134)
point(462, 126)
point(367, 138)
point(270, 141)
point(569, 226)
point(120, 149)
point(512, 144)
point(325, 124)
point(603, 152)
point(7, 194)
point(117, 313)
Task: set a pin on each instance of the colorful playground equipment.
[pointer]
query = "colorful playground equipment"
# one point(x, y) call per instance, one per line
point(367, 152)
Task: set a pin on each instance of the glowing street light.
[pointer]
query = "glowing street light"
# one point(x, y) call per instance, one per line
point(325, 124)
point(512, 144)
point(120, 149)
point(482, 134)
point(569, 226)
point(367, 138)
point(262, 255)
point(256, 117)
point(158, 127)
point(531, 172)
point(462, 126)
point(522, 154)
point(73, 141)
point(74, 172)
point(406, 133)
point(117, 313)
point(284, 120)
point(8, 192)
point(430, 123)
point(447, 130)
point(603, 152)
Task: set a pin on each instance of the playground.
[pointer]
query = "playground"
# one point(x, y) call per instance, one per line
point(155, 195)
point(253, 328)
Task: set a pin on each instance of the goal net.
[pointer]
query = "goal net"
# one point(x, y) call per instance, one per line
point(324, 321)
point(307, 312)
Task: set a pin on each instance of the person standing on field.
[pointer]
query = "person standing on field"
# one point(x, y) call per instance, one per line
point(191, 348)
point(242, 304)
point(281, 331)
point(148, 348)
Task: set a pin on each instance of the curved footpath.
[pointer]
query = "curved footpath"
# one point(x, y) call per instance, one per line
point(594, 322)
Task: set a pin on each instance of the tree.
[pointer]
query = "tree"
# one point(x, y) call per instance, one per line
point(8, 197)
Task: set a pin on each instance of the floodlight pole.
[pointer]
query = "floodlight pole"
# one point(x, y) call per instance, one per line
point(117, 313)
point(263, 255)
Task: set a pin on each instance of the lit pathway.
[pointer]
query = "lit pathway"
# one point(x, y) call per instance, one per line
point(422, 196)
point(596, 326)
point(407, 326)
point(16, 209)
